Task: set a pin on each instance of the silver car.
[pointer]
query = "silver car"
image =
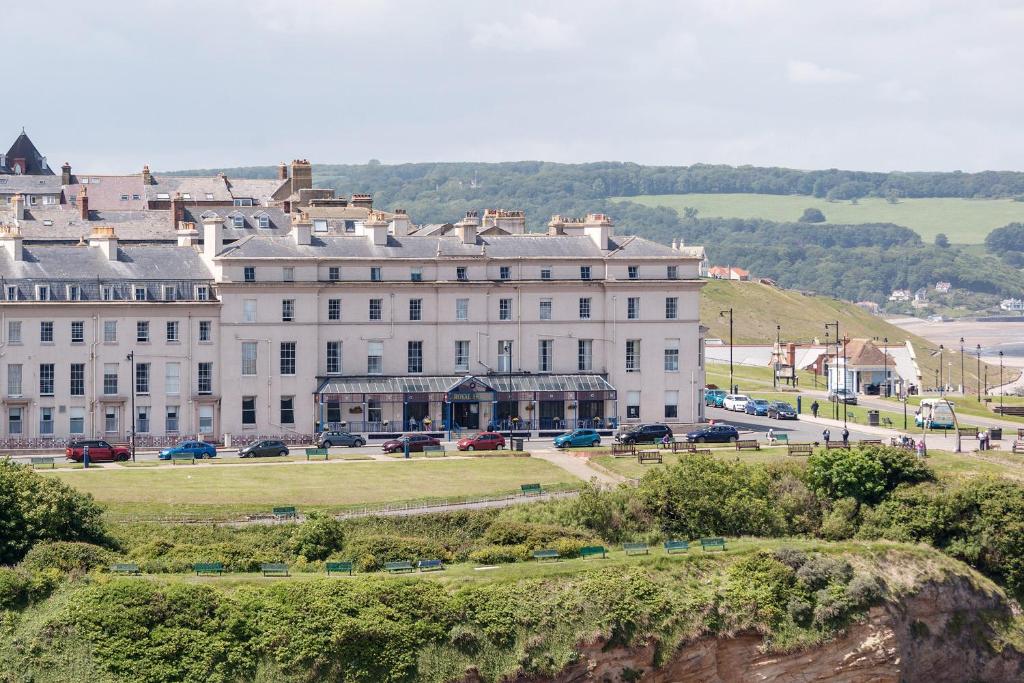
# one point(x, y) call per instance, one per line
point(329, 439)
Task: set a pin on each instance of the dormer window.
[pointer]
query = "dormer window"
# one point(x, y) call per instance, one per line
point(12, 292)
point(169, 293)
point(124, 197)
point(47, 222)
point(186, 195)
point(74, 293)
point(238, 221)
point(163, 195)
point(209, 196)
point(107, 293)
point(264, 220)
point(42, 292)
point(140, 293)
point(243, 201)
point(202, 293)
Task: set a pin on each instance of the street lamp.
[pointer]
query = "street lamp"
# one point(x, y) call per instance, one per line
point(508, 356)
point(941, 388)
point(963, 382)
point(835, 404)
point(131, 357)
point(721, 314)
point(978, 349)
point(885, 366)
point(1002, 390)
point(775, 368)
point(845, 375)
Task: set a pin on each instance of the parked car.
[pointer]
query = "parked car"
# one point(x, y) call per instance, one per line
point(713, 397)
point(329, 439)
point(756, 406)
point(263, 449)
point(645, 433)
point(99, 451)
point(736, 402)
point(843, 395)
point(416, 443)
point(780, 410)
point(484, 441)
point(578, 437)
point(714, 434)
point(198, 449)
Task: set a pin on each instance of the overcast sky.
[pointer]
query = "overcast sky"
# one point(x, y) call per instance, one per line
point(873, 84)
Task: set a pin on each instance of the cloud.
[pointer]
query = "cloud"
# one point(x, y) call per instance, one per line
point(809, 73)
point(529, 33)
point(896, 91)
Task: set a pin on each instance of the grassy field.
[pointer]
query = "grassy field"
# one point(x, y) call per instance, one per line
point(965, 221)
point(216, 492)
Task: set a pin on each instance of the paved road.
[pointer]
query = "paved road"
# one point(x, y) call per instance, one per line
point(797, 430)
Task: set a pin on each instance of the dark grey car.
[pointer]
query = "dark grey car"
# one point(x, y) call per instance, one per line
point(263, 449)
point(329, 439)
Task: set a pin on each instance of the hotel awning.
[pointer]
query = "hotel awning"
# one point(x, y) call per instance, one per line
point(438, 387)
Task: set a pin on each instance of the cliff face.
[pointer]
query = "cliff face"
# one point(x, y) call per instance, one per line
point(936, 635)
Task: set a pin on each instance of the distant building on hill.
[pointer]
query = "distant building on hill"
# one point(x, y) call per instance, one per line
point(943, 287)
point(869, 306)
point(900, 295)
point(1012, 304)
point(728, 273)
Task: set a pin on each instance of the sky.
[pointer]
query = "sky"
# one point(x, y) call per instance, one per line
point(110, 85)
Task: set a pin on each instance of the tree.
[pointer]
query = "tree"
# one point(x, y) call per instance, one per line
point(865, 474)
point(812, 215)
point(690, 212)
point(942, 241)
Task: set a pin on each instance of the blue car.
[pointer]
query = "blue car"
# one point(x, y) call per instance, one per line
point(578, 437)
point(198, 449)
point(757, 406)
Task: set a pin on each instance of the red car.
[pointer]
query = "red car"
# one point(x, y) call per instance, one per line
point(416, 443)
point(484, 441)
point(99, 451)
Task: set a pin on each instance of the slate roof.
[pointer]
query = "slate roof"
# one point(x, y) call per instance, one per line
point(262, 189)
point(196, 187)
point(280, 222)
point(72, 262)
point(23, 148)
point(29, 184)
point(66, 225)
point(105, 192)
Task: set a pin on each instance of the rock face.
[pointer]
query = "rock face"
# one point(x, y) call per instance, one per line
point(937, 635)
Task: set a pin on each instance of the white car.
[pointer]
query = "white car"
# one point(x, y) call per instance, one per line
point(737, 402)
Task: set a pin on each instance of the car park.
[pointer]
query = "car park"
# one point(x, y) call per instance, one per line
point(331, 439)
point(99, 451)
point(578, 438)
point(416, 443)
point(484, 441)
point(197, 449)
point(735, 402)
point(843, 395)
point(756, 406)
point(644, 433)
point(713, 397)
point(780, 410)
point(714, 434)
point(264, 449)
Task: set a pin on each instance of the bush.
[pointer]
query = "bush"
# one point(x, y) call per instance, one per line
point(19, 587)
point(500, 554)
point(821, 570)
point(533, 536)
point(317, 537)
point(812, 215)
point(371, 552)
point(68, 557)
point(757, 590)
point(866, 474)
point(842, 520)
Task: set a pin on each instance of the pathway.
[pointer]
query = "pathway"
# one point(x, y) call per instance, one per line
point(578, 467)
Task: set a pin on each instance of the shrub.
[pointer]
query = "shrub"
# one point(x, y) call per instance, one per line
point(812, 215)
point(569, 547)
point(842, 520)
point(317, 537)
point(19, 587)
point(865, 474)
point(68, 557)
point(531, 535)
point(500, 554)
point(757, 590)
point(791, 557)
point(821, 570)
point(371, 552)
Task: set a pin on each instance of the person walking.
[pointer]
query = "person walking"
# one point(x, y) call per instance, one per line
point(846, 436)
point(826, 435)
point(983, 440)
point(771, 436)
point(814, 409)
point(920, 448)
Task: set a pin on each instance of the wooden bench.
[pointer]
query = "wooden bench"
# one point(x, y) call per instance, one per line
point(286, 512)
point(317, 453)
point(887, 422)
point(531, 489)
point(274, 569)
point(836, 445)
point(748, 445)
point(176, 457)
point(636, 548)
point(1018, 447)
point(621, 450)
point(546, 554)
point(39, 462)
point(969, 432)
point(201, 568)
point(869, 442)
point(125, 568)
point(676, 546)
point(433, 449)
point(339, 568)
point(648, 456)
point(799, 448)
point(430, 565)
point(398, 567)
point(593, 551)
point(716, 543)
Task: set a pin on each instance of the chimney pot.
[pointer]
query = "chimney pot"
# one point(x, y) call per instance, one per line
point(147, 177)
point(65, 174)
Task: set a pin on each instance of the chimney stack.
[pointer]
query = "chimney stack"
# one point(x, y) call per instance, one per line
point(378, 229)
point(10, 240)
point(302, 175)
point(188, 236)
point(65, 174)
point(598, 227)
point(466, 228)
point(400, 224)
point(18, 205)
point(177, 210)
point(282, 171)
point(147, 177)
point(103, 237)
point(83, 203)
point(302, 232)
point(213, 236)
point(362, 201)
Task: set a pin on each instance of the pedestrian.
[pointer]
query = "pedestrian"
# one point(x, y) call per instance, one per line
point(412, 424)
point(814, 409)
point(920, 448)
point(666, 440)
point(825, 434)
point(846, 436)
point(983, 440)
point(427, 422)
point(771, 436)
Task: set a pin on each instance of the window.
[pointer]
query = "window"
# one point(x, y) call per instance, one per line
point(633, 272)
point(504, 355)
point(287, 310)
point(250, 274)
point(42, 292)
point(584, 272)
point(334, 273)
point(415, 356)
point(672, 272)
point(110, 331)
point(287, 410)
point(462, 355)
point(376, 308)
point(585, 355)
point(264, 220)
point(350, 226)
point(374, 413)
point(77, 331)
point(140, 293)
point(632, 355)
point(172, 331)
point(14, 421)
point(505, 272)
point(46, 332)
point(545, 273)
point(374, 358)
point(142, 419)
point(14, 379)
point(137, 197)
point(170, 294)
point(206, 419)
point(415, 309)
point(461, 273)
point(416, 274)
point(544, 353)
point(633, 308)
point(671, 355)
point(462, 309)
point(13, 331)
point(142, 378)
point(171, 419)
point(288, 358)
point(202, 293)
point(142, 331)
point(334, 358)
point(633, 405)
point(504, 309)
point(78, 379)
point(107, 293)
point(46, 379)
point(205, 378)
point(249, 355)
point(288, 274)
point(110, 420)
point(585, 308)
point(319, 225)
point(172, 379)
point(671, 404)
point(74, 293)
point(238, 221)
point(334, 309)
point(375, 274)
point(110, 379)
point(241, 201)
point(545, 309)
point(249, 310)
point(45, 421)
point(76, 420)
point(205, 330)
point(248, 411)
point(671, 308)
point(12, 293)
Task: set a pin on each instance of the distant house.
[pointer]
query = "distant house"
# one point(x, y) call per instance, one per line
point(900, 295)
point(728, 273)
point(862, 367)
point(1012, 304)
point(943, 287)
point(869, 306)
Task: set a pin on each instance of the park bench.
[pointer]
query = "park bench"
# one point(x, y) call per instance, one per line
point(339, 568)
point(676, 546)
point(125, 568)
point(1018, 447)
point(175, 457)
point(836, 445)
point(286, 512)
point(433, 449)
point(398, 567)
point(969, 432)
point(317, 453)
point(430, 565)
point(1020, 433)
point(887, 422)
point(38, 462)
point(593, 551)
point(201, 568)
point(648, 456)
point(274, 569)
point(869, 442)
point(546, 554)
point(799, 448)
point(716, 543)
point(751, 445)
point(531, 489)
point(782, 438)
point(636, 548)
point(620, 450)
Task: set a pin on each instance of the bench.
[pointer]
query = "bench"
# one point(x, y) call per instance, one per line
point(620, 450)
point(593, 551)
point(125, 568)
point(531, 489)
point(836, 445)
point(799, 448)
point(750, 444)
point(430, 565)
point(546, 554)
point(433, 449)
point(969, 432)
point(201, 568)
point(1018, 447)
point(712, 544)
point(887, 422)
point(175, 457)
point(274, 569)
point(782, 438)
point(38, 462)
point(398, 567)
point(317, 453)
point(286, 512)
point(648, 456)
point(869, 442)
point(339, 568)
point(636, 548)
point(676, 546)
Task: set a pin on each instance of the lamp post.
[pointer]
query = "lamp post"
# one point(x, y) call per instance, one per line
point(941, 388)
point(978, 349)
point(131, 357)
point(721, 314)
point(775, 366)
point(885, 367)
point(1001, 389)
point(963, 382)
point(508, 355)
point(845, 375)
point(835, 389)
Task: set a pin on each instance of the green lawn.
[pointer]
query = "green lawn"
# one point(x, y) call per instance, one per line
point(965, 221)
point(216, 492)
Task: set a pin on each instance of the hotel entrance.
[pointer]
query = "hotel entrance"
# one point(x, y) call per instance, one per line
point(465, 415)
